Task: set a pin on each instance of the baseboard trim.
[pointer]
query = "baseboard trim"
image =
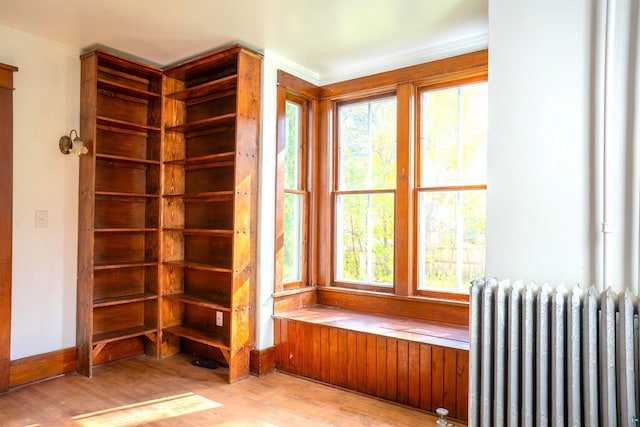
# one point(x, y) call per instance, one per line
point(42, 366)
point(262, 362)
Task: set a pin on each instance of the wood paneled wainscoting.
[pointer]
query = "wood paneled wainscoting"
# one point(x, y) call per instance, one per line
point(415, 362)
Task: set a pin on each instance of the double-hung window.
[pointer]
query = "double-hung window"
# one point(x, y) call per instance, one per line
point(295, 194)
point(381, 185)
point(451, 186)
point(295, 106)
point(365, 194)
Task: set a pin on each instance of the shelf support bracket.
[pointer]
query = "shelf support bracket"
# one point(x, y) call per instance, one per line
point(96, 350)
point(152, 337)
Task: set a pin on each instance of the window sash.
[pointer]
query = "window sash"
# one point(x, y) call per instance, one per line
point(364, 239)
point(295, 118)
point(434, 272)
point(293, 176)
point(377, 169)
point(294, 235)
point(450, 248)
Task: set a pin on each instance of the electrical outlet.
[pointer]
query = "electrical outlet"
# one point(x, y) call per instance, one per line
point(218, 318)
point(42, 219)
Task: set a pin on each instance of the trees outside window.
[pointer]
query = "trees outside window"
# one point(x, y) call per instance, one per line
point(294, 195)
point(364, 200)
point(451, 190)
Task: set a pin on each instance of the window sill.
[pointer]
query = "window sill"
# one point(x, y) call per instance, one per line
point(415, 307)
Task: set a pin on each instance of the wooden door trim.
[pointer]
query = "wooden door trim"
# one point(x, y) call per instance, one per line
point(6, 202)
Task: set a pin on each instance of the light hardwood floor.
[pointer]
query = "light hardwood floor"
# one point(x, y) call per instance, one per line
point(172, 392)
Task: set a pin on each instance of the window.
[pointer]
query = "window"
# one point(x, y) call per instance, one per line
point(295, 106)
point(396, 165)
point(295, 196)
point(451, 188)
point(364, 198)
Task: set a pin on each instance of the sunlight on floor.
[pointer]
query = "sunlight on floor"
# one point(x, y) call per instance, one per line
point(144, 412)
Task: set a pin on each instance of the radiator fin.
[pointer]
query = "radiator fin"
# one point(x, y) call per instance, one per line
point(542, 355)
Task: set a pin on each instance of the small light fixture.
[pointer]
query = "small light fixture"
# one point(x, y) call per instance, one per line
point(76, 145)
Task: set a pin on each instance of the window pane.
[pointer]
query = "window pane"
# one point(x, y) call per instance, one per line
point(451, 239)
point(453, 140)
point(293, 221)
point(292, 148)
point(364, 240)
point(367, 145)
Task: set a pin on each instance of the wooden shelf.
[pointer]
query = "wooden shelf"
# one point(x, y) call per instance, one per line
point(202, 302)
point(210, 196)
point(198, 266)
point(106, 302)
point(210, 159)
point(107, 121)
point(201, 232)
point(206, 89)
point(119, 204)
point(226, 120)
point(125, 265)
point(125, 230)
point(198, 335)
point(123, 159)
point(122, 334)
point(122, 194)
point(127, 90)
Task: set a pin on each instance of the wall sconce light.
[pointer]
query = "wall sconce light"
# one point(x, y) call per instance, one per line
point(75, 145)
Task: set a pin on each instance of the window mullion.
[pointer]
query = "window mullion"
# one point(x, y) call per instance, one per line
point(404, 214)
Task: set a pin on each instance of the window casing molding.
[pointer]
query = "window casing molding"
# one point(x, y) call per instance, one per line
point(337, 192)
point(323, 104)
point(406, 83)
point(294, 90)
point(418, 188)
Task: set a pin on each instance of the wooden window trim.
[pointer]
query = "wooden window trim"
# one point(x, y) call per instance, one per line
point(407, 84)
point(291, 88)
point(421, 87)
point(380, 93)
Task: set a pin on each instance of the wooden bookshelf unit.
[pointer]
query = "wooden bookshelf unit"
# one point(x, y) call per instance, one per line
point(168, 196)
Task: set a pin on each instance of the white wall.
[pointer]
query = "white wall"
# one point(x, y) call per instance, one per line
point(46, 106)
point(538, 185)
point(544, 210)
point(266, 218)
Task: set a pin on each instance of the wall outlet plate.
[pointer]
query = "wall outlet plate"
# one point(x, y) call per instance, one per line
point(42, 219)
point(218, 318)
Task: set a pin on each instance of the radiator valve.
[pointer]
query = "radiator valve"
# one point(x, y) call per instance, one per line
point(442, 412)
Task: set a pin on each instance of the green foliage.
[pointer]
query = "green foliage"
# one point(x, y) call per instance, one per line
point(292, 268)
point(293, 203)
point(365, 221)
point(292, 159)
point(451, 243)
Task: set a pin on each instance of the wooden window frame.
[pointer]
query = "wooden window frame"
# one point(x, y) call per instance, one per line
point(293, 89)
point(406, 84)
point(335, 192)
point(403, 299)
point(420, 89)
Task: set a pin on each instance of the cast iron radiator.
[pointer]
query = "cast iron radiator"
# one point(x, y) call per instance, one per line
point(548, 356)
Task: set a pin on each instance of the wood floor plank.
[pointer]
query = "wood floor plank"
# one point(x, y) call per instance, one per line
point(172, 392)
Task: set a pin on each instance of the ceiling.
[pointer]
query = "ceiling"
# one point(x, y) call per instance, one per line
point(333, 39)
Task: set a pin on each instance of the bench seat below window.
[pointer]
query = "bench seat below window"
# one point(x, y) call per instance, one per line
point(419, 363)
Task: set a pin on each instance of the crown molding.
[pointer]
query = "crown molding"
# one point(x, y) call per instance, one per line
point(406, 59)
